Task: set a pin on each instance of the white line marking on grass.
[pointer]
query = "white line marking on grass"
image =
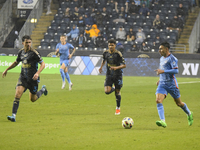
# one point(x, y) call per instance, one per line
point(189, 82)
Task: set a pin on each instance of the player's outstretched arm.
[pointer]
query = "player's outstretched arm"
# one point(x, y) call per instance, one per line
point(57, 51)
point(70, 55)
point(13, 65)
point(36, 75)
point(102, 64)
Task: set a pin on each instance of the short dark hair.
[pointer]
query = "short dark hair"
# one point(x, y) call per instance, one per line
point(26, 37)
point(112, 41)
point(165, 44)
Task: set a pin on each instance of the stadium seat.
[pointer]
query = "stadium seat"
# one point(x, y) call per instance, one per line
point(171, 41)
point(130, 18)
point(135, 28)
point(53, 26)
point(173, 36)
point(146, 29)
point(60, 31)
point(54, 23)
point(50, 31)
point(53, 44)
point(63, 26)
point(43, 43)
point(138, 23)
point(56, 37)
point(47, 37)
point(163, 35)
point(60, 14)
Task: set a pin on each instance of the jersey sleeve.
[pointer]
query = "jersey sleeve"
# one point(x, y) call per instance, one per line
point(18, 56)
point(57, 46)
point(38, 58)
point(174, 63)
point(121, 58)
point(104, 56)
point(71, 46)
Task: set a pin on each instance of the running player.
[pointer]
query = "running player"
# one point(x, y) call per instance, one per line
point(168, 84)
point(115, 64)
point(29, 76)
point(63, 48)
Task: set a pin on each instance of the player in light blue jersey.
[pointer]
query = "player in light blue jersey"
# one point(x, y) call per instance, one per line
point(63, 48)
point(168, 84)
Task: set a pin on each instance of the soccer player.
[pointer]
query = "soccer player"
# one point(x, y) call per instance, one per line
point(168, 84)
point(29, 77)
point(63, 48)
point(115, 64)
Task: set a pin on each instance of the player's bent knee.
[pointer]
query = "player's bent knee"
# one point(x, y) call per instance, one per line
point(107, 92)
point(158, 101)
point(32, 100)
point(179, 104)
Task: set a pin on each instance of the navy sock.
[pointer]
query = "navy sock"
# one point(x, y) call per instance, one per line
point(118, 100)
point(15, 105)
point(39, 93)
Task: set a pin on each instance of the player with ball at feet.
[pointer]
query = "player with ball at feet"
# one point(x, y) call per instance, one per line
point(168, 84)
point(115, 64)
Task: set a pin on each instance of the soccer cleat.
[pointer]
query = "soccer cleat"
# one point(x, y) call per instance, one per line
point(190, 119)
point(45, 90)
point(70, 86)
point(161, 123)
point(63, 85)
point(117, 112)
point(11, 118)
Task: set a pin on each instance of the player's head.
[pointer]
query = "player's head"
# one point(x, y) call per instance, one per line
point(26, 37)
point(164, 49)
point(63, 38)
point(166, 44)
point(26, 41)
point(111, 44)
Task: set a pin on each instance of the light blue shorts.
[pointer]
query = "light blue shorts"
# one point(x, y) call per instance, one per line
point(170, 88)
point(66, 62)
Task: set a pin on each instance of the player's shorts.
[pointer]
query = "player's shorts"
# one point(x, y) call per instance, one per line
point(66, 62)
point(116, 80)
point(32, 85)
point(170, 88)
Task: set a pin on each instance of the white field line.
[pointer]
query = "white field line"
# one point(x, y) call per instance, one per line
point(188, 82)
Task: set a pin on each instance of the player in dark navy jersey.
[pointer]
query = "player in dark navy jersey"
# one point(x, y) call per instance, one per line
point(29, 76)
point(115, 64)
point(168, 84)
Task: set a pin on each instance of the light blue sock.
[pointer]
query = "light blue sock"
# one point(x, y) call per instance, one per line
point(67, 77)
point(161, 111)
point(62, 73)
point(186, 109)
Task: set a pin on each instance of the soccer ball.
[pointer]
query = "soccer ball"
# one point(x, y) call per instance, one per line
point(127, 123)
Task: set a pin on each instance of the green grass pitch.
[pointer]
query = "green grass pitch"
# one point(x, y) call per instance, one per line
point(83, 119)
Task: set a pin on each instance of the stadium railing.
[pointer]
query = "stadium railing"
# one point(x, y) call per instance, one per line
point(195, 36)
point(5, 20)
point(31, 21)
point(178, 48)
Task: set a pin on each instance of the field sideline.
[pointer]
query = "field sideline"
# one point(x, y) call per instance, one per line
point(83, 119)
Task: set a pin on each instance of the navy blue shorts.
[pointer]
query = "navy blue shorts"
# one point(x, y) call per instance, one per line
point(116, 80)
point(31, 84)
